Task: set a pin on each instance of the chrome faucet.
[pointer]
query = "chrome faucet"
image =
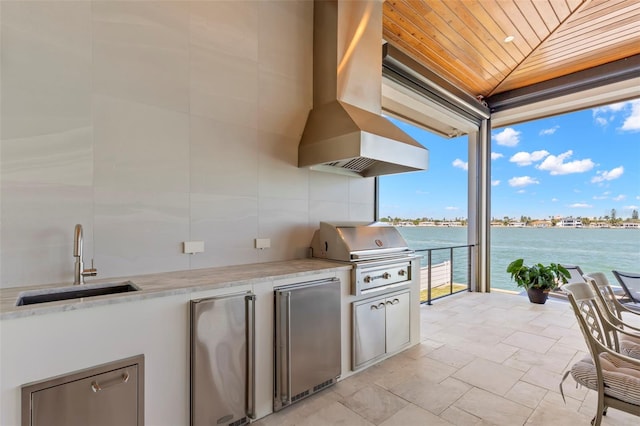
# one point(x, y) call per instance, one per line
point(79, 271)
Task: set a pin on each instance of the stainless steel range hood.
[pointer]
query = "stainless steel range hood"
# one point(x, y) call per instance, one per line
point(345, 131)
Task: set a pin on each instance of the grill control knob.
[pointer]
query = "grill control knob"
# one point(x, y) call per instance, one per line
point(386, 275)
point(367, 279)
point(402, 272)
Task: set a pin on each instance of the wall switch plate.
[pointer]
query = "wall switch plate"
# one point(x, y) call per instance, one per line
point(193, 247)
point(263, 243)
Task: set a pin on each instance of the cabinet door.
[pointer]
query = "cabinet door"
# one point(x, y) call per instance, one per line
point(109, 398)
point(398, 321)
point(368, 331)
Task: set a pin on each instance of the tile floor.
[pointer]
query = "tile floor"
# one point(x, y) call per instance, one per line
point(484, 359)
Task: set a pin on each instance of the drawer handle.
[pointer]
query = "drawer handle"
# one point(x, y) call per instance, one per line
point(394, 302)
point(378, 306)
point(124, 378)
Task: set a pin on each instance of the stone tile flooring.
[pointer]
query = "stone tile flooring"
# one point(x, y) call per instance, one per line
point(484, 359)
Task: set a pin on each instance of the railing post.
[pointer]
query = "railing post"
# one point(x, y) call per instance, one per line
point(469, 254)
point(451, 266)
point(429, 277)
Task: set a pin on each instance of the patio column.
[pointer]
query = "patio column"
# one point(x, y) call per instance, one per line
point(479, 206)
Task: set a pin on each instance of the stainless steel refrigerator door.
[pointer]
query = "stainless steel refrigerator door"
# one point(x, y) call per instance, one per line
point(307, 339)
point(221, 370)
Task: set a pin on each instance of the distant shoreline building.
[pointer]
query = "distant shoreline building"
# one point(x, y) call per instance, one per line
point(541, 224)
point(560, 222)
point(569, 222)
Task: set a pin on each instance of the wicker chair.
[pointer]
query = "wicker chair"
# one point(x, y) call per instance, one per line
point(615, 377)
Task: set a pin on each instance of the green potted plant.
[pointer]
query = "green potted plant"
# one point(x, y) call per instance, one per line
point(537, 279)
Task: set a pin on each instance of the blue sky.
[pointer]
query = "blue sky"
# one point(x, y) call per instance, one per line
point(581, 164)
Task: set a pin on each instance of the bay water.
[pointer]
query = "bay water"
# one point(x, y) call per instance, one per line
point(594, 250)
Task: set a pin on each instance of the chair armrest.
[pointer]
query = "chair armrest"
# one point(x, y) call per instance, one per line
point(635, 333)
point(630, 307)
point(627, 326)
point(635, 363)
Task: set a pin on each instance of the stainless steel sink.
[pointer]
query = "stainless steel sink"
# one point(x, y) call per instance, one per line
point(74, 292)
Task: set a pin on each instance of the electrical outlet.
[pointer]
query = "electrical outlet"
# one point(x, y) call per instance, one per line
point(193, 247)
point(263, 243)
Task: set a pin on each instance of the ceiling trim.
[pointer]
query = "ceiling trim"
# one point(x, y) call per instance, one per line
point(597, 96)
point(602, 75)
point(403, 69)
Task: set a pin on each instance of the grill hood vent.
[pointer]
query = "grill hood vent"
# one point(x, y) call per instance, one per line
point(345, 132)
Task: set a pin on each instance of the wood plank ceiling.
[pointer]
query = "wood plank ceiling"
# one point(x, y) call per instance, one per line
point(464, 40)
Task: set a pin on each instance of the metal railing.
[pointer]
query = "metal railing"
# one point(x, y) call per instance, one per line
point(444, 271)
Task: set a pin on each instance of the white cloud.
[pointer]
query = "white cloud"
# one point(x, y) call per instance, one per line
point(581, 206)
point(601, 121)
point(556, 165)
point(496, 155)
point(522, 181)
point(550, 131)
point(507, 137)
point(632, 121)
point(524, 158)
point(495, 182)
point(600, 197)
point(608, 175)
point(619, 197)
point(606, 114)
point(460, 164)
point(555, 200)
point(609, 108)
point(629, 110)
point(451, 208)
point(521, 191)
point(631, 207)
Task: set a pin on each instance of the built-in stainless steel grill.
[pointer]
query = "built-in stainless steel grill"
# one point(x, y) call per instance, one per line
point(380, 255)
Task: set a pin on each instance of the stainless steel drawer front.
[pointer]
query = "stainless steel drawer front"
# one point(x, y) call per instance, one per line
point(105, 395)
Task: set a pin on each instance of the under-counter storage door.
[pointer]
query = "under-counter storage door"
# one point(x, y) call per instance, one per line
point(219, 360)
point(105, 399)
point(315, 335)
point(368, 331)
point(307, 338)
point(398, 321)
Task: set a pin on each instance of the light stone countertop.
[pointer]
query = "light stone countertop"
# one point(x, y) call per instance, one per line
point(170, 283)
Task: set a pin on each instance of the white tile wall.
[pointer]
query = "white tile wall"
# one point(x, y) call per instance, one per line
point(140, 232)
point(227, 224)
point(139, 147)
point(223, 158)
point(141, 52)
point(153, 123)
point(279, 52)
point(46, 67)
